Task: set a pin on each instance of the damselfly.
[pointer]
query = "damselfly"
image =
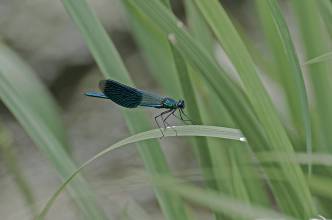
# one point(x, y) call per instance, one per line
point(130, 97)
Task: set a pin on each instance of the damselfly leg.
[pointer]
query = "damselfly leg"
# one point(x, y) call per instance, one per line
point(162, 118)
point(166, 123)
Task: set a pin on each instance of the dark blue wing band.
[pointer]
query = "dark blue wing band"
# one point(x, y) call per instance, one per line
point(121, 94)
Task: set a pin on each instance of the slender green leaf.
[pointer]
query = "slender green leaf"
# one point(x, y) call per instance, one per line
point(316, 42)
point(325, 7)
point(155, 48)
point(288, 67)
point(9, 156)
point(322, 58)
point(193, 110)
point(223, 154)
point(300, 158)
point(19, 88)
point(189, 130)
point(217, 201)
point(263, 107)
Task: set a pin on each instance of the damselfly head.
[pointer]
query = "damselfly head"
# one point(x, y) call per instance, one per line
point(180, 104)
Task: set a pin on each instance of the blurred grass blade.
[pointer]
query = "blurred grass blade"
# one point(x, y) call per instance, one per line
point(300, 158)
point(322, 58)
point(193, 110)
point(19, 88)
point(288, 67)
point(217, 201)
point(321, 186)
point(155, 48)
point(133, 211)
point(112, 67)
point(198, 27)
point(325, 7)
point(9, 156)
point(189, 130)
point(316, 42)
point(222, 154)
point(263, 107)
point(44, 106)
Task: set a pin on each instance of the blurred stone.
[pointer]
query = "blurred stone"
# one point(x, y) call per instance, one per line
point(43, 33)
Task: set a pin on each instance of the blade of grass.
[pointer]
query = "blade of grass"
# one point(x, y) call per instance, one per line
point(189, 130)
point(300, 158)
point(9, 156)
point(316, 41)
point(44, 106)
point(155, 48)
point(223, 154)
point(193, 111)
point(217, 201)
point(325, 7)
point(19, 88)
point(321, 58)
point(262, 105)
point(203, 154)
point(112, 66)
point(288, 67)
point(198, 27)
point(220, 151)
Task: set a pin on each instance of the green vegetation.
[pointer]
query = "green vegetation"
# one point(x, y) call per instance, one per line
point(280, 170)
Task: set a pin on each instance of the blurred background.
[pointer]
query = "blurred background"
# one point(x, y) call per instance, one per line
point(43, 35)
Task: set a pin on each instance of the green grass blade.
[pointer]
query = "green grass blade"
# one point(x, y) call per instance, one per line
point(9, 157)
point(288, 67)
point(325, 7)
point(112, 66)
point(155, 48)
point(217, 201)
point(263, 107)
point(198, 27)
point(300, 158)
point(189, 130)
point(19, 88)
point(193, 110)
point(44, 106)
point(223, 154)
point(315, 41)
point(322, 58)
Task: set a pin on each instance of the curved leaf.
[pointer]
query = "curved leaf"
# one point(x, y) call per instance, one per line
point(189, 130)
